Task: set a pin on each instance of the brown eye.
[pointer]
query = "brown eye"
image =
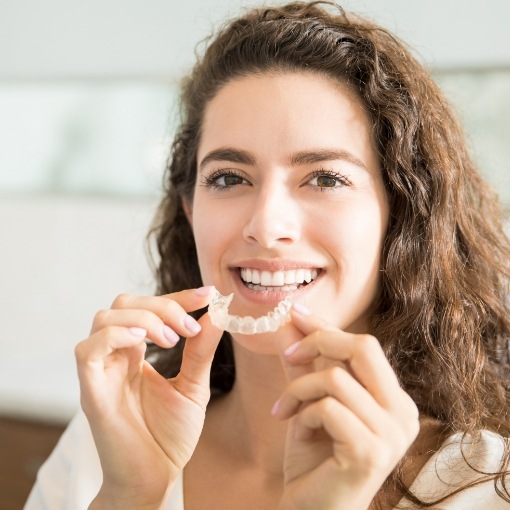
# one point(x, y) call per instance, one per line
point(223, 180)
point(325, 181)
point(328, 180)
point(230, 180)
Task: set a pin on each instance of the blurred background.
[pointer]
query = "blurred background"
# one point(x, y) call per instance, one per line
point(87, 112)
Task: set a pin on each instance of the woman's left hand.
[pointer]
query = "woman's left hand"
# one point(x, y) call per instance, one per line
point(350, 421)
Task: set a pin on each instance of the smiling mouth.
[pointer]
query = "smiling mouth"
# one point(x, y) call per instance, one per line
point(285, 280)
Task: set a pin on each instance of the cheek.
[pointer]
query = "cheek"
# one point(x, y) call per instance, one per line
point(365, 241)
point(206, 233)
point(354, 234)
point(212, 229)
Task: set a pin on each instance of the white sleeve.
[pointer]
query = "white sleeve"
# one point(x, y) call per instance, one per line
point(71, 476)
point(448, 470)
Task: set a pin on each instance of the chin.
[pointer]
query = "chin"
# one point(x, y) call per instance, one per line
point(271, 344)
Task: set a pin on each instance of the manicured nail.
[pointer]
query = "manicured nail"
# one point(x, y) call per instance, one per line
point(204, 291)
point(291, 349)
point(192, 325)
point(275, 408)
point(139, 332)
point(301, 309)
point(170, 335)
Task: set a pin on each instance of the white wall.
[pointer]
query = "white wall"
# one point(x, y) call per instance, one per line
point(112, 38)
point(64, 257)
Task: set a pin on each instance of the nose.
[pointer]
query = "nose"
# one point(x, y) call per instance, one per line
point(274, 218)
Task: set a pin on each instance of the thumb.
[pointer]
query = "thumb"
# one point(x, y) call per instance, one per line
point(287, 336)
point(198, 355)
point(303, 323)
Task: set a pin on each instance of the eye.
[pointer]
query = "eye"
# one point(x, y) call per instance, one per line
point(324, 181)
point(327, 179)
point(229, 180)
point(224, 179)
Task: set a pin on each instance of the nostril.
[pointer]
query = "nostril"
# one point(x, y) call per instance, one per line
point(272, 226)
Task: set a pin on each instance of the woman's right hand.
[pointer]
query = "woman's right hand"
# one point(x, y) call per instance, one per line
point(145, 427)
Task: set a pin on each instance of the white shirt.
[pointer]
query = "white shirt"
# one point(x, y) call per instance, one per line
point(71, 477)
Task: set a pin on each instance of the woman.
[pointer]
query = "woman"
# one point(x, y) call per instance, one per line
point(316, 160)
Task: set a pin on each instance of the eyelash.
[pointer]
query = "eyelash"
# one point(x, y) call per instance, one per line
point(211, 181)
point(342, 179)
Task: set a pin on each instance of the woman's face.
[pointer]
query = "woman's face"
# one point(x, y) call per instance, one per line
point(289, 188)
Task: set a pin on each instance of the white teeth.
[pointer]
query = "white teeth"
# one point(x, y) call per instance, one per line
point(218, 311)
point(265, 278)
point(278, 278)
point(284, 288)
point(290, 276)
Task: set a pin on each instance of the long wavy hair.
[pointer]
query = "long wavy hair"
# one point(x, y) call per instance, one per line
point(442, 316)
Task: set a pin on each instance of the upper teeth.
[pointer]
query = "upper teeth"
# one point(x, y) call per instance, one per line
point(278, 278)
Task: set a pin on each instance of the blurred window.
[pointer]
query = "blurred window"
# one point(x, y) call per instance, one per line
point(113, 137)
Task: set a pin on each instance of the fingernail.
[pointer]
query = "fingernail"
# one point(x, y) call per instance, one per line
point(139, 332)
point(275, 408)
point(204, 291)
point(192, 325)
point(291, 349)
point(301, 309)
point(170, 335)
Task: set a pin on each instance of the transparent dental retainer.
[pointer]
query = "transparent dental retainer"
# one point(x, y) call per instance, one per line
point(218, 311)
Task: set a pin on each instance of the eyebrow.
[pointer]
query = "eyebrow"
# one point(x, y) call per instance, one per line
point(299, 158)
point(228, 154)
point(316, 156)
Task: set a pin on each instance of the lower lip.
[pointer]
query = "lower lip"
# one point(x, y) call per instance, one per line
point(270, 297)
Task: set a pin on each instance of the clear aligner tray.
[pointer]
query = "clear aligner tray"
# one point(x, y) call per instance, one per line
point(218, 311)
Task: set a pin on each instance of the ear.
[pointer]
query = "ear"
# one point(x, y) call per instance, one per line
point(188, 210)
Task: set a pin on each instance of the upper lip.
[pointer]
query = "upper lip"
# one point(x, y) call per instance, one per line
point(276, 264)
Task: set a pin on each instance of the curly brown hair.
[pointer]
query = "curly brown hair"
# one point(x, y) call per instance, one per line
point(442, 317)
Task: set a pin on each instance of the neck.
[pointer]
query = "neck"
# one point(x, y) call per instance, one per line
point(242, 419)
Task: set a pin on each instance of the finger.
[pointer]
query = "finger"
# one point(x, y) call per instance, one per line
point(94, 349)
point(157, 331)
point(189, 299)
point(198, 356)
point(337, 383)
point(289, 335)
point(192, 299)
point(171, 308)
point(363, 355)
point(305, 321)
point(113, 346)
point(355, 445)
point(337, 420)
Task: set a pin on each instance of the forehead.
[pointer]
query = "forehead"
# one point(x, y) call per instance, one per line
point(272, 113)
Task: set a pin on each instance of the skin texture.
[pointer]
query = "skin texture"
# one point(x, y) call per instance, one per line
point(316, 417)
